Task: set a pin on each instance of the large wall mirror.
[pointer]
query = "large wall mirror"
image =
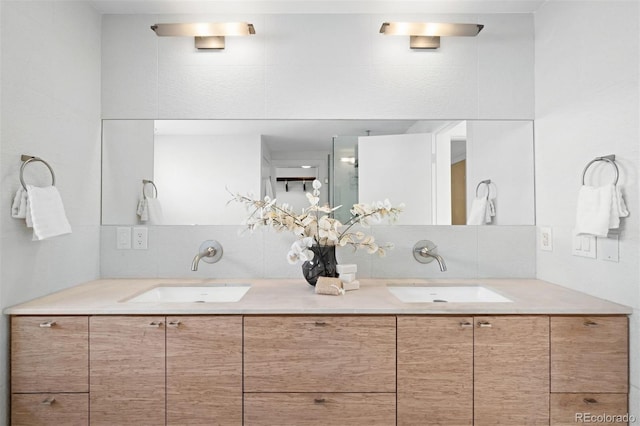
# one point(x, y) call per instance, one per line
point(180, 172)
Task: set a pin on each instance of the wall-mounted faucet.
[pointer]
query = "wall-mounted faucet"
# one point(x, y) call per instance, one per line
point(210, 252)
point(425, 251)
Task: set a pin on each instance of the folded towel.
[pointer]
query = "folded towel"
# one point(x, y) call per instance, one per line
point(46, 212)
point(490, 212)
point(155, 211)
point(19, 206)
point(143, 210)
point(599, 209)
point(618, 209)
point(478, 212)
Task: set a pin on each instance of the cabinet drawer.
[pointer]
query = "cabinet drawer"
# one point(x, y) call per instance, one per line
point(316, 353)
point(49, 409)
point(49, 354)
point(571, 409)
point(322, 409)
point(589, 354)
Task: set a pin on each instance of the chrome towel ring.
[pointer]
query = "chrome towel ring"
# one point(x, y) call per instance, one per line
point(26, 159)
point(611, 159)
point(155, 188)
point(484, 182)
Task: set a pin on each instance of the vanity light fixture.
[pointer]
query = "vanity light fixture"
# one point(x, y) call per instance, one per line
point(426, 35)
point(209, 36)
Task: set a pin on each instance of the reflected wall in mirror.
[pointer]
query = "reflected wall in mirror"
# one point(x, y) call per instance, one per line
point(434, 167)
point(444, 171)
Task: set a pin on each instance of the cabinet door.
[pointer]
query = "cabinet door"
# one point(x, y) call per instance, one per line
point(320, 409)
point(49, 354)
point(204, 370)
point(320, 353)
point(570, 409)
point(435, 370)
point(50, 409)
point(511, 370)
point(127, 370)
point(589, 354)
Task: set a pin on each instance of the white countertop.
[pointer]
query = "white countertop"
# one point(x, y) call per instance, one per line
point(286, 296)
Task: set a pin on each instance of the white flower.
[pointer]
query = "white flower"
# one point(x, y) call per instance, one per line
point(315, 226)
point(299, 251)
point(328, 230)
point(313, 199)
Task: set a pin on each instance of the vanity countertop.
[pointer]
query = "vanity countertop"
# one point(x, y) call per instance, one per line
point(287, 296)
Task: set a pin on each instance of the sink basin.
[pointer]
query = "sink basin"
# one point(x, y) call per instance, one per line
point(452, 294)
point(214, 293)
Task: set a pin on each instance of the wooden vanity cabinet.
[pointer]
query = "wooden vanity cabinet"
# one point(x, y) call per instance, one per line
point(473, 370)
point(312, 370)
point(315, 409)
point(197, 360)
point(511, 370)
point(435, 370)
point(320, 353)
point(49, 370)
point(127, 370)
point(204, 370)
point(589, 367)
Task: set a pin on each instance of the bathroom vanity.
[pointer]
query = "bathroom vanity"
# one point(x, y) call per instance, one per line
point(282, 355)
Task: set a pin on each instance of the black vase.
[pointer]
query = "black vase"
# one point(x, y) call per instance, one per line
point(323, 264)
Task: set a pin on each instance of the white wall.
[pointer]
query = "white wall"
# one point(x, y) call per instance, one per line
point(295, 68)
point(400, 165)
point(503, 152)
point(587, 103)
point(194, 174)
point(50, 108)
point(127, 159)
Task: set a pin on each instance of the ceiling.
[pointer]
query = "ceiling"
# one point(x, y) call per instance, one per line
point(314, 6)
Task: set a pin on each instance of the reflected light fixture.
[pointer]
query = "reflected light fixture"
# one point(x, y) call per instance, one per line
point(426, 35)
point(207, 35)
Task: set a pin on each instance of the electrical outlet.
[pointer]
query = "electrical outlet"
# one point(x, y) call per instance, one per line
point(140, 238)
point(123, 238)
point(546, 239)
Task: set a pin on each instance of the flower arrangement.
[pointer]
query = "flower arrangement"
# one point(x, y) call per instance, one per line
point(315, 226)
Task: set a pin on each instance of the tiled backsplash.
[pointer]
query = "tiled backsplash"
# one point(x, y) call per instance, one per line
point(469, 251)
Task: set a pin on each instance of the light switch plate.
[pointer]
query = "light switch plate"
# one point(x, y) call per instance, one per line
point(546, 238)
point(123, 238)
point(584, 246)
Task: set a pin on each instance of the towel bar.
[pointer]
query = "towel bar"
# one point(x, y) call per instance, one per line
point(611, 159)
point(26, 159)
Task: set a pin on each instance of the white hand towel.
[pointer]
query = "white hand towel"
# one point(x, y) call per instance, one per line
point(491, 211)
point(618, 209)
point(155, 211)
point(19, 206)
point(46, 212)
point(478, 212)
point(143, 210)
point(593, 213)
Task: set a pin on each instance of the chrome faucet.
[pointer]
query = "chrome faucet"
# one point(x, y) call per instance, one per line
point(210, 252)
point(426, 251)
